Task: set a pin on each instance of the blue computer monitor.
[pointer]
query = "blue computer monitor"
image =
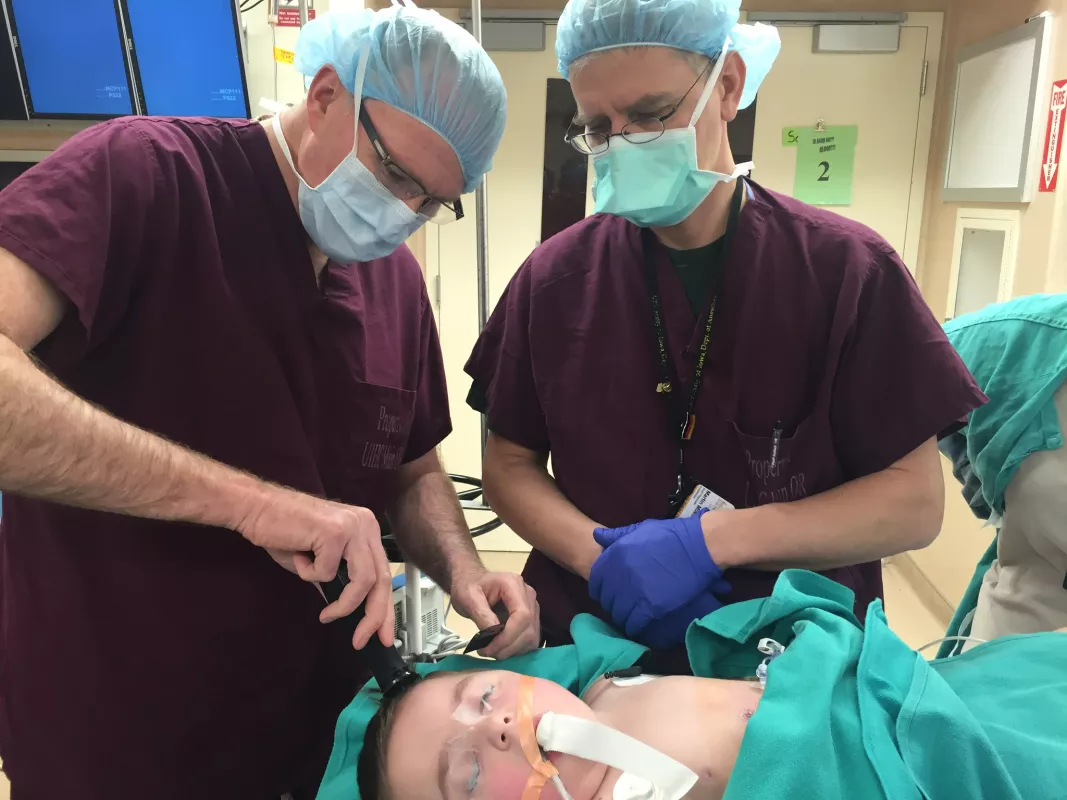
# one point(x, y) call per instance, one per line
point(72, 58)
point(187, 56)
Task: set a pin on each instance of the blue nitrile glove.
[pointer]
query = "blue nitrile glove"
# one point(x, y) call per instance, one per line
point(650, 569)
point(670, 631)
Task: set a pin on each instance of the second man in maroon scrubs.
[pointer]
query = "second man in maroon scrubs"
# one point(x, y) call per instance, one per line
point(702, 331)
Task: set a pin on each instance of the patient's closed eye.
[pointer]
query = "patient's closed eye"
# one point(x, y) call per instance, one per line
point(476, 772)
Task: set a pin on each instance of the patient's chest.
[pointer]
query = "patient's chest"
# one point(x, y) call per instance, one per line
point(697, 721)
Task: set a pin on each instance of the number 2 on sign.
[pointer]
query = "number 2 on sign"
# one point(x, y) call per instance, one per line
point(825, 171)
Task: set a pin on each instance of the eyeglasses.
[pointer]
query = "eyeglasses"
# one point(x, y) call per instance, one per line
point(638, 131)
point(403, 186)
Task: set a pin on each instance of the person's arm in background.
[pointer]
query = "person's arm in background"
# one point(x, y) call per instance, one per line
point(428, 522)
point(515, 474)
point(899, 384)
point(520, 490)
point(876, 516)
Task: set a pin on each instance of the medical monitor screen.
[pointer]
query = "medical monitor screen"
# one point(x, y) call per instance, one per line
point(72, 58)
point(188, 58)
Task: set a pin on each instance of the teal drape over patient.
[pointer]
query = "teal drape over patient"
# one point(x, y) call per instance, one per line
point(848, 712)
point(852, 712)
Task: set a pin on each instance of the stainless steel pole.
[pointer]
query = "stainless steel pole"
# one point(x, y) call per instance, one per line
point(302, 7)
point(481, 232)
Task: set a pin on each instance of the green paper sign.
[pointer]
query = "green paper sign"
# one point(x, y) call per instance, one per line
point(825, 160)
point(791, 136)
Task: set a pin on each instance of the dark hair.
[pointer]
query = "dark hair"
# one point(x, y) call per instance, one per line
point(370, 771)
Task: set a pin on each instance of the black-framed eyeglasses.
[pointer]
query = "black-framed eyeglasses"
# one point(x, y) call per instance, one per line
point(404, 186)
point(638, 131)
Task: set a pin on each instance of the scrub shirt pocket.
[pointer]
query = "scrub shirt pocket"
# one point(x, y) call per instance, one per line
point(806, 465)
point(803, 463)
point(373, 424)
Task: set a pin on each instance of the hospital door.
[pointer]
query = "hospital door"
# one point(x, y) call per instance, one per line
point(879, 93)
point(887, 96)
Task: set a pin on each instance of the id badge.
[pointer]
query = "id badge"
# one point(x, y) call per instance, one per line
point(702, 498)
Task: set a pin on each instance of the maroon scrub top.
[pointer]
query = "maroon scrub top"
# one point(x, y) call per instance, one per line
point(819, 326)
point(143, 659)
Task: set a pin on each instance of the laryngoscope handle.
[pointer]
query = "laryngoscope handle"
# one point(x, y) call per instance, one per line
point(386, 663)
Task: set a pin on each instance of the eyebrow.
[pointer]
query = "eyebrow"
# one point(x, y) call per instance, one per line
point(461, 687)
point(642, 104)
point(442, 760)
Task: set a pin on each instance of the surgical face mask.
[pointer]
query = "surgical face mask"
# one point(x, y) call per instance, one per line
point(350, 216)
point(658, 183)
point(647, 774)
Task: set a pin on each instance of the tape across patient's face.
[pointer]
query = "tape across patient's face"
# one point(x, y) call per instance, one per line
point(647, 773)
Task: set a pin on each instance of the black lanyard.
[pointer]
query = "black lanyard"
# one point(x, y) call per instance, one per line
point(687, 422)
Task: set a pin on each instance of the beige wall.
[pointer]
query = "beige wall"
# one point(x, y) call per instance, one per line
point(1041, 246)
point(949, 563)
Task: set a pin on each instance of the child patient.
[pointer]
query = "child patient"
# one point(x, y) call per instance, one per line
point(793, 697)
point(468, 731)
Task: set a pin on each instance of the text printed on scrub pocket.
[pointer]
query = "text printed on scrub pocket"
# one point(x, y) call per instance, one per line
point(763, 473)
point(380, 455)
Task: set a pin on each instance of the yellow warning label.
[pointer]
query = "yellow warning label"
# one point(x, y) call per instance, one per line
point(283, 56)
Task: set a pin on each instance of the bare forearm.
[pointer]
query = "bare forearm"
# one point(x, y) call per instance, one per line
point(57, 447)
point(870, 518)
point(429, 527)
point(527, 499)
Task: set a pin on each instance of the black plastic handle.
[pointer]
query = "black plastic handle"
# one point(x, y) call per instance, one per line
point(386, 663)
point(333, 589)
point(484, 638)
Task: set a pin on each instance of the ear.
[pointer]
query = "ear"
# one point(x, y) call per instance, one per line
point(733, 84)
point(325, 90)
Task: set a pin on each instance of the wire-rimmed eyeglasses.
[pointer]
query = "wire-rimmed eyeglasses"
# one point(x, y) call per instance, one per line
point(639, 131)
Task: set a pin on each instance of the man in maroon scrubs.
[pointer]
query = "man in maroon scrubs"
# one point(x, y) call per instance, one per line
point(703, 332)
point(206, 328)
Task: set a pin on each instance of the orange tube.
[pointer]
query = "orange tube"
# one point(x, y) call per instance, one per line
point(543, 771)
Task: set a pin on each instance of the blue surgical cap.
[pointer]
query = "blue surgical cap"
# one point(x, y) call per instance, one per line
point(422, 64)
point(696, 26)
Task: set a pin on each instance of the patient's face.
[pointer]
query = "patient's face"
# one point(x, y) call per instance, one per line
point(456, 737)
